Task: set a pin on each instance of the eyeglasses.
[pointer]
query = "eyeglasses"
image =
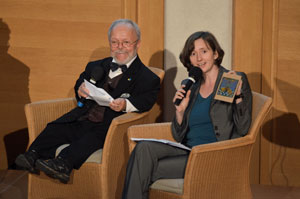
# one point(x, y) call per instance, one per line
point(125, 44)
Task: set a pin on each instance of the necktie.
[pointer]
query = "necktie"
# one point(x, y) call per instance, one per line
point(115, 66)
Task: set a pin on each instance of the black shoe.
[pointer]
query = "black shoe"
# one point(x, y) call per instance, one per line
point(56, 168)
point(27, 161)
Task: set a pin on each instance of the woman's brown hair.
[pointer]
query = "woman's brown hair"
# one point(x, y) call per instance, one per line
point(188, 48)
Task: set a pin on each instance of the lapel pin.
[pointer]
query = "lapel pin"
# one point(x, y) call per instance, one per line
point(129, 79)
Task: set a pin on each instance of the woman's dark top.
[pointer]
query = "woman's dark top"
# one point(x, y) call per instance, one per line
point(200, 125)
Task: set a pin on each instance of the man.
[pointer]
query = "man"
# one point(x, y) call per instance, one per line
point(134, 88)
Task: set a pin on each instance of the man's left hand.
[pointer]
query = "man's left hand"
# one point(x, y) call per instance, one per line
point(118, 104)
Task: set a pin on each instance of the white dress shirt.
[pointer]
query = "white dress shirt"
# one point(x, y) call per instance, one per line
point(112, 74)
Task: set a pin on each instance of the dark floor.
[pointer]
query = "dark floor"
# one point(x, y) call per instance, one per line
point(13, 185)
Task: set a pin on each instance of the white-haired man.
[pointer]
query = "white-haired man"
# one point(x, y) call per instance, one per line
point(134, 88)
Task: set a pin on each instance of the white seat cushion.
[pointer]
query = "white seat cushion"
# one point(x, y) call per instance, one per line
point(169, 185)
point(94, 157)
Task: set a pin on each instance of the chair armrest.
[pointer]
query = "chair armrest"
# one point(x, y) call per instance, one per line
point(115, 152)
point(225, 165)
point(155, 130)
point(218, 164)
point(38, 114)
point(117, 134)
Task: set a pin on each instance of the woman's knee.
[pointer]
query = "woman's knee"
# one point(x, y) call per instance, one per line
point(141, 146)
point(144, 148)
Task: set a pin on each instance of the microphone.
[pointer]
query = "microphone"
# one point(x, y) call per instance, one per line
point(194, 75)
point(96, 75)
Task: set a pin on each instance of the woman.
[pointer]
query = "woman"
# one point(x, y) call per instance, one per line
point(199, 119)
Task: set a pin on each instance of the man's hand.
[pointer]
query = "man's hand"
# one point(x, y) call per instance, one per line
point(118, 104)
point(83, 91)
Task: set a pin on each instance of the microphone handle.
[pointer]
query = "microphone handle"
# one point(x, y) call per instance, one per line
point(177, 102)
point(80, 102)
point(188, 85)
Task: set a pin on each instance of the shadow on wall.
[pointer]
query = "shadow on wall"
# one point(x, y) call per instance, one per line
point(14, 93)
point(287, 122)
point(284, 128)
point(169, 86)
point(97, 54)
point(156, 60)
point(100, 53)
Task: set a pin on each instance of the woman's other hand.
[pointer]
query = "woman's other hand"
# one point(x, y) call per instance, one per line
point(239, 88)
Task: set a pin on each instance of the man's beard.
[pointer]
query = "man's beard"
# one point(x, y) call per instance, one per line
point(129, 58)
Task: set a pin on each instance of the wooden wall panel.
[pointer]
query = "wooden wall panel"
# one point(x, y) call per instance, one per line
point(285, 156)
point(151, 20)
point(247, 39)
point(269, 62)
point(150, 17)
point(279, 46)
point(45, 45)
point(247, 55)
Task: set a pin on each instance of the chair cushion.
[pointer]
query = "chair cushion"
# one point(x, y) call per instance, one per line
point(94, 157)
point(169, 185)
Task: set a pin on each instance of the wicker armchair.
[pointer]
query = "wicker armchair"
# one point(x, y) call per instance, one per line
point(102, 175)
point(216, 170)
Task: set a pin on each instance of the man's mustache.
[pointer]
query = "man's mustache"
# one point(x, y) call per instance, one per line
point(120, 51)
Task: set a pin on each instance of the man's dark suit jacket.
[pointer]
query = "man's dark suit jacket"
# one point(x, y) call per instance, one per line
point(138, 81)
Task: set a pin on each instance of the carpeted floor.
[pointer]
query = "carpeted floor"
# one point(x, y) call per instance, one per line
point(13, 185)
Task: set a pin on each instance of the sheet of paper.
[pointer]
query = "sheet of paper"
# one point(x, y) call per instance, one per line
point(98, 94)
point(176, 144)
